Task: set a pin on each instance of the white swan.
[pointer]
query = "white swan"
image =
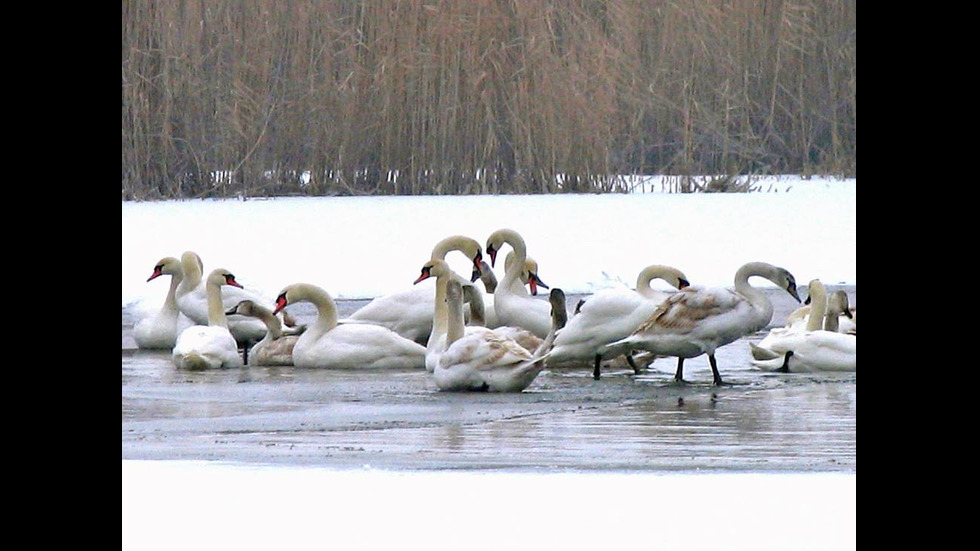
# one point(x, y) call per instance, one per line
point(697, 320)
point(822, 312)
point(611, 315)
point(192, 301)
point(436, 345)
point(350, 345)
point(212, 345)
point(160, 330)
point(846, 321)
point(275, 348)
point(409, 313)
point(489, 279)
point(813, 348)
point(480, 359)
point(512, 304)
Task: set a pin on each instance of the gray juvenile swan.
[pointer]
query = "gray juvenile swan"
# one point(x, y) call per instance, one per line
point(275, 348)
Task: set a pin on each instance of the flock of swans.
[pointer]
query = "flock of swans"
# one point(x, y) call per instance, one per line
point(496, 339)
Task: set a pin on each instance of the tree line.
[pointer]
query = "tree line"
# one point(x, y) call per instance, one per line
point(359, 97)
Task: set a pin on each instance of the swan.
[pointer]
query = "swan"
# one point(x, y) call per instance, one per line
point(349, 345)
point(160, 330)
point(480, 359)
point(489, 279)
point(275, 348)
point(610, 315)
point(409, 313)
point(211, 345)
point(436, 344)
point(813, 348)
point(841, 317)
point(192, 301)
point(798, 318)
point(822, 312)
point(697, 320)
point(512, 304)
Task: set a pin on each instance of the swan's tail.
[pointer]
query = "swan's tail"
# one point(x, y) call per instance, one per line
point(193, 361)
point(772, 364)
point(762, 353)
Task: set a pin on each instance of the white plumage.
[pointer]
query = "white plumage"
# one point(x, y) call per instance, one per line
point(351, 345)
point(209, 346)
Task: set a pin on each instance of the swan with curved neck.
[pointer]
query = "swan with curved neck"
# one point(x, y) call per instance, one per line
point(480, 359)
point(697, 320)
point(611, 315)
point(160, 330)
point(512, 304)
point(275, 348)
point(211, 345)
point(490, 284)
point(816, 348)
point(409, 313)
point(351, 345)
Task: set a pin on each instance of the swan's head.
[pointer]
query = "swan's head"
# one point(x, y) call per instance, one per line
point(433, 268)
point(533, 281)
point(167, 265)
point(495, 242)
point(786, 280)
point(220, 276)
point(244, 308)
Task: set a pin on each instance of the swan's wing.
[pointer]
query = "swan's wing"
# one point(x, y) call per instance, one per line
point(484, 350)
point(682, 311)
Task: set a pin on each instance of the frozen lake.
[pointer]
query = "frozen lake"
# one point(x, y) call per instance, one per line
point(565, 421)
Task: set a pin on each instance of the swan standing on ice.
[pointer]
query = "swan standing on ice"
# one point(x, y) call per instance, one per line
point(160, 330)
point(349, 345)
point(611, 315)
point(815, 348)
point(275, 348)
point(512, 304)
point(409, 313)
point(212, 345)
point(697, 320)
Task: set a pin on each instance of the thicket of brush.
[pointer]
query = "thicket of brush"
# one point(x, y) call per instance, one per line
point(271, 97)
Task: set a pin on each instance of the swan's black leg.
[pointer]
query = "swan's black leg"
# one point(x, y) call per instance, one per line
point(679, 375)
point(245, 354)
point(596, 369)
point(785, 367)
point(714, 370)
point(629, 360)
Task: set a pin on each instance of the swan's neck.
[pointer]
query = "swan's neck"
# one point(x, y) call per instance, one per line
point(647, 275)
point(216, 312)
point(513, 272)
point(760, 303)
point(170, 303)
point(272, 325)
point(326, 310)
point(454, 318)
point(474, 298)
point(440, 321)
point(192, 274)
point(818, 307)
